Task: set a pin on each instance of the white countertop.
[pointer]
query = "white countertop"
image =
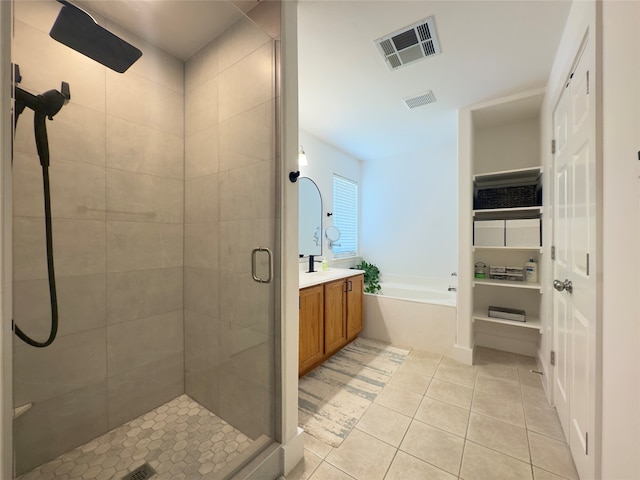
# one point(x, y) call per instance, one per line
point(316, 278)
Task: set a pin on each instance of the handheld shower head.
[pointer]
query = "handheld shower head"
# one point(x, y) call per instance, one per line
point(51, 101)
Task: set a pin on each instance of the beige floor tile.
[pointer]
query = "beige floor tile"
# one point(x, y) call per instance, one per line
point(539, 474)
point(384, 424)
point(552, 455)
point(412, 381)
point(406, 467)
point(535, 397)
point(503, 372)
point(316, 446)
point(454, 372)
point(362, 456)
point(500, 436)
point(481, 463)
point(503, 388)
point(326, 471)
point(400, 400)
point(435, 446)
point(485, 356)
point(424, 363)
point(306, 467)
point(530, 379)
point(443, 415)
point(544, 421)
point(450, 393)
point(496, 406)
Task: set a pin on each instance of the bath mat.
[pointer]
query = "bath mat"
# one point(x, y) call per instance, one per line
point(333, 397)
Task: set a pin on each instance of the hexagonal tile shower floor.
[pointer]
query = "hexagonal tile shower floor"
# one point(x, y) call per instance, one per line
point(180, 439)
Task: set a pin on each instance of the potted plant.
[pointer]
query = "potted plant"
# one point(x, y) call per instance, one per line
point(371, 276)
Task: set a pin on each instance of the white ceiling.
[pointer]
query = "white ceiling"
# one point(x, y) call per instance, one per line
point(348, 97)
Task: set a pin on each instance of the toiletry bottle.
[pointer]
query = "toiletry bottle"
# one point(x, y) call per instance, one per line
point(531, 270)
point(325, 266)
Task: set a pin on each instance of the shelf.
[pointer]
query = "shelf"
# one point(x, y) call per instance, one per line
point(530, 323)
point(508, 177)
point(507, 249)
point(507, 284)
point(507, 213)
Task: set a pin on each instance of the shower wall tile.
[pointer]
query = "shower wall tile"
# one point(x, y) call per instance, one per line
point(201, 291)
point(255, 309)
point(58, 425)
point(267, 16)
point(71, 362)
point(201, 245)
point(143, 293)
point(77, 189)
point(247, 83)
point(78, 245)
point(137, 343)
point(201, 67)
point(45, 63)
point(77, 134)
point(136, 148)
point(248, 192)
point(239, 238)
point(143, 246)
point(139, 100)
point(240, 40)
point(201, 107)
point(202, 345)
point(137, 197)
point(142, 389)
point(155, 64)
point(81, 305)
point(201, 153)
point(37, 14)
point(201, 199)
point(248, 137)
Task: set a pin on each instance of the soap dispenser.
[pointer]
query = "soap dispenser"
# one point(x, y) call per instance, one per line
point(531, 270)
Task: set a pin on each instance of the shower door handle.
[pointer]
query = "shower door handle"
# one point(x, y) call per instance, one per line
point(254, 268)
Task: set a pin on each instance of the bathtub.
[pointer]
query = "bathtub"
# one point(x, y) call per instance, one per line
point(415, 312)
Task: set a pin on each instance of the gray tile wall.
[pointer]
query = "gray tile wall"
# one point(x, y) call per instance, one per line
point(117, 188)
point(230, 209)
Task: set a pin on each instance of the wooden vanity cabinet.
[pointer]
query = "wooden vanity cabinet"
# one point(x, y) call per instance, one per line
point(330, 317)
point(311, 336)
point(355, 298)
point(335, 310)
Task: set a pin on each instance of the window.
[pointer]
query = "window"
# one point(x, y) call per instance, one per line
point(345, 216)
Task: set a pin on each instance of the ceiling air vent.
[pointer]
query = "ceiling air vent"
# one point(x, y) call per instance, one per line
point(412, 43)
point(420, 100)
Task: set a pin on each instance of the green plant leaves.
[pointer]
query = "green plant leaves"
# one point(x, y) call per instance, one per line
point(371, 276)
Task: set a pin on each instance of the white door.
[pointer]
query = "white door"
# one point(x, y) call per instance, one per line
point(574, 302)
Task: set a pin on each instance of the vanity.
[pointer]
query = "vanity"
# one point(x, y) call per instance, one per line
point(331, 300)
point(330, 305)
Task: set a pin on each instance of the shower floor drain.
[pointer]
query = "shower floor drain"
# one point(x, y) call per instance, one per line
point(141, 473)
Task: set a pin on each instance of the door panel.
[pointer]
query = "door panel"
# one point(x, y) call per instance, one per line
point(335, 326)
point(574, 239)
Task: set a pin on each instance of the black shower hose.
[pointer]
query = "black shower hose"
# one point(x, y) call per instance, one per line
point(43, 152)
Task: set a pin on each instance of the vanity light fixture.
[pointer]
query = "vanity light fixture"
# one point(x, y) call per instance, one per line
point(302, 157)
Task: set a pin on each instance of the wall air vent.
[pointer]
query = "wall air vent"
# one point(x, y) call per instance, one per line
point(410, 44)
point(420, 100)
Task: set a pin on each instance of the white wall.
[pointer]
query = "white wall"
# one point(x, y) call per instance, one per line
point(325, 160)
point(620, 240)
point(410, 211)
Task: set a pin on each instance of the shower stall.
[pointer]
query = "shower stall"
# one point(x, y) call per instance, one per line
point(165, 238)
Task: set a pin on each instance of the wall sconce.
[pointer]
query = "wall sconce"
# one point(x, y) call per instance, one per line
point(302, 157)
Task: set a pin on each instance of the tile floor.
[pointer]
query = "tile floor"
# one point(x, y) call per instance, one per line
point(438, 419)
point(181, 440)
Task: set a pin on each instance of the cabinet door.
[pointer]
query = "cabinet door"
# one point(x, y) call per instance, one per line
point(355, 295)
point(311, 337)
point(335, 327)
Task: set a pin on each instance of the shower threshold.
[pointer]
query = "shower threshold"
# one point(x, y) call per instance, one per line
point(180, 439)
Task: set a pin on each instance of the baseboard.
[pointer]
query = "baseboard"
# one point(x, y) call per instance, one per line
point(293, 451)
point(462, 354)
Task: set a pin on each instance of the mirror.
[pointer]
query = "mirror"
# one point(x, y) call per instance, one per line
point(309, 218)
point(333, 235)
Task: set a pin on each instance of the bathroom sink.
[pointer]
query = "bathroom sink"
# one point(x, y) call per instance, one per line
point(323, 276)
